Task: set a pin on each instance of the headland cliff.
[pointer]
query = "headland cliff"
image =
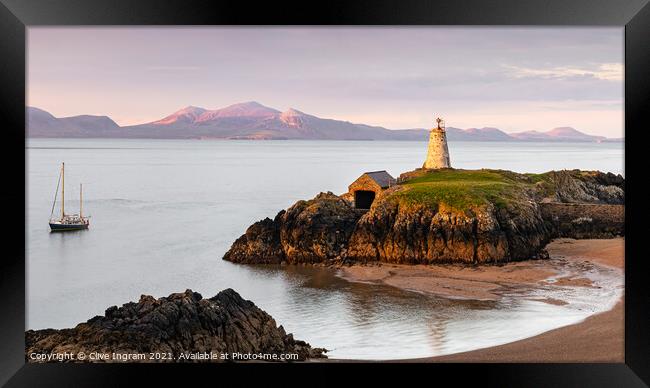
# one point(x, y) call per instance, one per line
point(442, 216)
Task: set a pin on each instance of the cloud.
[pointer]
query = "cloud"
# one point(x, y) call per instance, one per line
point(605, 72)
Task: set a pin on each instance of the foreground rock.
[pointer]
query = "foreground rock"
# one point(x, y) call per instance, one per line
point(474, 217)
point(182, 327)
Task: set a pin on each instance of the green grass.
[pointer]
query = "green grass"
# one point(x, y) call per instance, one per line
point(463, 189)
point(536, 178)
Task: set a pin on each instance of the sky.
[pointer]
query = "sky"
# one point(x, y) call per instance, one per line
point(512, 78)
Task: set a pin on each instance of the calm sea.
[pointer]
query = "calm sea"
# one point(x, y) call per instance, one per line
point(165, 211)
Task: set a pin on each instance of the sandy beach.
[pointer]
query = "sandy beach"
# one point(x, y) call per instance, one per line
point(599, 338)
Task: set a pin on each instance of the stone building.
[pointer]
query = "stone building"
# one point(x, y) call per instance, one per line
point(437, 153)
point(364, 190)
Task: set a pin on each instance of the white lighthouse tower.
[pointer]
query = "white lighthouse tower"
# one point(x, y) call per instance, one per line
point(437, 153)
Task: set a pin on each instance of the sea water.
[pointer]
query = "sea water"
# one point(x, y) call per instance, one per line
point(163, 213)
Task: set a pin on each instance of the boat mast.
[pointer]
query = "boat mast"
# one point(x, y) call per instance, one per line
point(56, 194)
point(63, 190)
point(80, 201)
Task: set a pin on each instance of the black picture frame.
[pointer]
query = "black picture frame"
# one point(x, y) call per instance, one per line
point(17, 15)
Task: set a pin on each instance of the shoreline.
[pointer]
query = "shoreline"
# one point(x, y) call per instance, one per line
point(597, 338)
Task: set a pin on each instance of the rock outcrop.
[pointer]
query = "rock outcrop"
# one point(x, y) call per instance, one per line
point(419, 234)
point(587, 187)
point(485, 216)
point(308, 232)
point(174, 328)
point(584, 220)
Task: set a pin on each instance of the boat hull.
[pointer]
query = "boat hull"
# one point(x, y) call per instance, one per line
point(67, 227)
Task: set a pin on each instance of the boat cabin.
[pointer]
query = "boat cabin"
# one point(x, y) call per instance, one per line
point(368, 186)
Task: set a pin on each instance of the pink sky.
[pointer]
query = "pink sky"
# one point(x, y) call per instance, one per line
point(512, 78)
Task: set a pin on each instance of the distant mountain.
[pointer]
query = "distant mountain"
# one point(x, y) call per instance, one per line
point(186, 115)
point(252, 120)
point(557, 134)
point(477, 134)
point(42, 124)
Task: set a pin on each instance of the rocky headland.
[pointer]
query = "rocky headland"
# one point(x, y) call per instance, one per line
point(442, 216)
point(183, 327)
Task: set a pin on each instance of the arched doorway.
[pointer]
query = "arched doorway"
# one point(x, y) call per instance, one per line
point(363, 199)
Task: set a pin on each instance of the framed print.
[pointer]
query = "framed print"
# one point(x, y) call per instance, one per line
point(450, 189)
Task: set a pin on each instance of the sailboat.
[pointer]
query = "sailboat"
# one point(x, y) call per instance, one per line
point(67, 221)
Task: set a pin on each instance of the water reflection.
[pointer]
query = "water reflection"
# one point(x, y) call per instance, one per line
point(438, 336)
point(362, 320)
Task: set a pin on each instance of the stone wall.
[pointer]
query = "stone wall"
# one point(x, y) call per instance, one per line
point(584, 220)
point(437, 152)
point(364, 183)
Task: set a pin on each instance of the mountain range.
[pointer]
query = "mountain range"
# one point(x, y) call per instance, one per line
point(252, 120)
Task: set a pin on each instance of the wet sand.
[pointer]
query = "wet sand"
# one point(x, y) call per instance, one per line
point(599, 338)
